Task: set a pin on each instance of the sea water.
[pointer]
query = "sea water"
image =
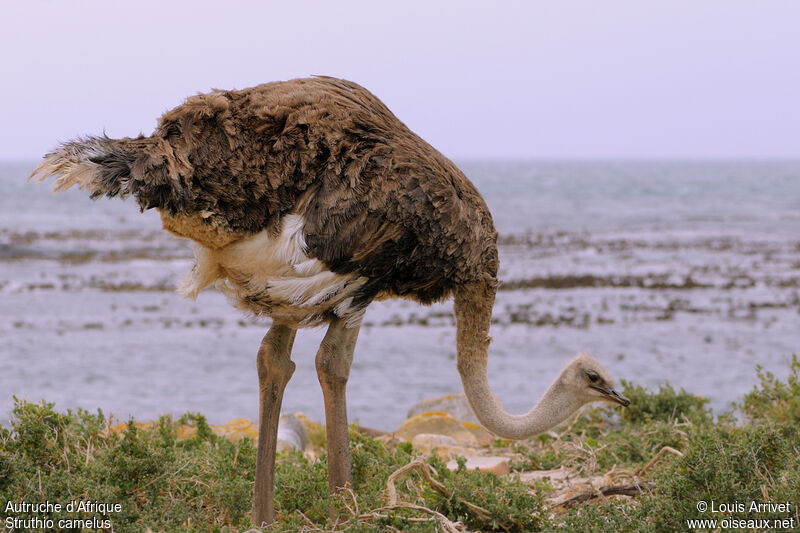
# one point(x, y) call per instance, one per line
point(686, 272)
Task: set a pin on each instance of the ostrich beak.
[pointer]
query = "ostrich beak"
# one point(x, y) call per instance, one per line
point(619, 398)
point(613, 396)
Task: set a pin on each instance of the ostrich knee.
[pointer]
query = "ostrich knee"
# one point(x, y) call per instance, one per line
point(274, 362)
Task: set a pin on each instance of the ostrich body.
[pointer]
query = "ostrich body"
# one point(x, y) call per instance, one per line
point(306, 201)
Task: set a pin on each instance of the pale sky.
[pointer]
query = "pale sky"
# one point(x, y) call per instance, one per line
point(560, 79)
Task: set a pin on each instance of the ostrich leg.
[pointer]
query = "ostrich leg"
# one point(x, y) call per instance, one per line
point(333, 368)
point(275, 367)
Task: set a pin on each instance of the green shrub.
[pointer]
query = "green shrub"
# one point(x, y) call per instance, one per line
point(664, 405)
point(512, 504)
point(205, 483)
point(159, 482)
point(773, 399)
point(722, 462)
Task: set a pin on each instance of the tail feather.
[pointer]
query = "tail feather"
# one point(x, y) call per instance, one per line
point(72, 163)
point(141, 168)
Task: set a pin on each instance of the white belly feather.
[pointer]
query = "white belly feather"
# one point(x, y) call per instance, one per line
point(272, 275)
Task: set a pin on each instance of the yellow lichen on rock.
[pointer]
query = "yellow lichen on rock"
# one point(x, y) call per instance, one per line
point(439, 423)
point(425, 443)
point(483, 437)
point(119, 428)
point(185, 432)
point(236, 429)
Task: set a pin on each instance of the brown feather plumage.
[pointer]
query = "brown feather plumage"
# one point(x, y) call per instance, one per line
point(377, 200)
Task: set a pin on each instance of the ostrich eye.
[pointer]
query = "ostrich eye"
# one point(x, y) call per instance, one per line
point(593, 377)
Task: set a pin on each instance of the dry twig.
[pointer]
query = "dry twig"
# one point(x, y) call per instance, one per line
point(424, 470)
point(448, 525)
point(655, 459)
point(632, 489)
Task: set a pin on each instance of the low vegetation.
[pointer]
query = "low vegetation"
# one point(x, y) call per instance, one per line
point(667, 452)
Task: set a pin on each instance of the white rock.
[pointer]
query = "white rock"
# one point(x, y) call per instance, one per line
point(427, 442)
point(495, 465)
point(291, 433)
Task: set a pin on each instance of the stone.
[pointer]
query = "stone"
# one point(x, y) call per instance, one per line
point(483, 437)
point(425, 443)
point(438, 423)
point(119, 428)
point(309, 424)
point(236, 429)
point(291, 433)
point(557, 477)
point(390, 440)
point(453, 404)
point(494, 465)
point(186, 432)
point(446, 453)
point(458, 407)
point(368, 431)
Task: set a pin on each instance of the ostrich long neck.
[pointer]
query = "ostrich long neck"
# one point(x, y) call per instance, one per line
point(473, 309)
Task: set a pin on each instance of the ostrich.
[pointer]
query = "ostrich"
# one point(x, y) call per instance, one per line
point(307, 200)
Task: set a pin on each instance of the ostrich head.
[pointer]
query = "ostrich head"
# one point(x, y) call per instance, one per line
point(588, 381)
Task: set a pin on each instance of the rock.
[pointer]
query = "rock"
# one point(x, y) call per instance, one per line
point(439, 423)
point(458, 407)
point(427, 442)
point(369, 432)
point(446, 453)
point(391, 441)
point(557, 477)
point(236, 429)
point(443, 446)
point(309, 424)
point(453, 404)
point(186, 432)
point(495, 465)
point(291, 433)
point(119, 428)
point(483, 437)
